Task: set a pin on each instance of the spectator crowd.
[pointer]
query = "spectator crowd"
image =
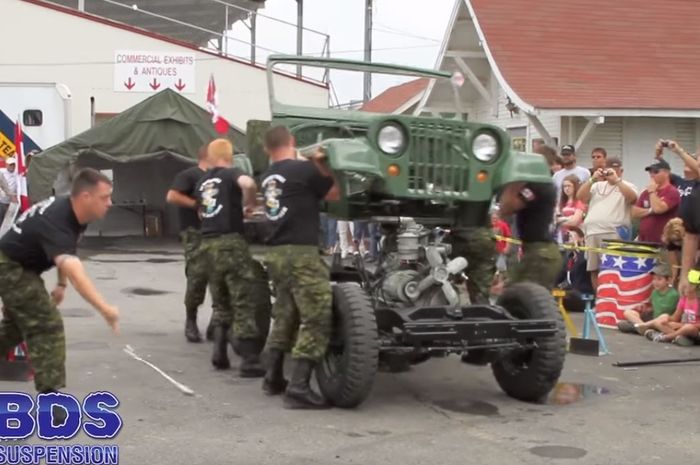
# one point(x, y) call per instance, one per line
point(597, 205)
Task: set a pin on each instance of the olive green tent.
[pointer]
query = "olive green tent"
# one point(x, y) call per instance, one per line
point(141, 149)
point(166, 128)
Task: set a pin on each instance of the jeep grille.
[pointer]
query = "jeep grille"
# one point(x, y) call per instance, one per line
point(438, 164)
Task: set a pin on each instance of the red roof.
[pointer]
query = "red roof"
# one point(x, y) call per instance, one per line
point(619, 54)
point(395, 97)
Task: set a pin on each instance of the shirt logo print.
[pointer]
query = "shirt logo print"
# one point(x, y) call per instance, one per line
point(209, 191)
point(273, 191)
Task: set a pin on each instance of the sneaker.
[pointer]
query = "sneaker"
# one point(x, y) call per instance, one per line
point(684, 341)
point(654, 335)
point(625, 326)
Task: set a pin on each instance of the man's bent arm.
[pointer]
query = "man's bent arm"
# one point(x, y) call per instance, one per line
point(61, 278)
point(658, 205)
point(584, 192)
point(181, 200)
point(627, 191)
point(690, 249)
point(249, 189)
point(73, 269)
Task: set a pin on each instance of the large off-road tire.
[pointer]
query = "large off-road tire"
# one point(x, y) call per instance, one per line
point(346, 373)
point(530, 375)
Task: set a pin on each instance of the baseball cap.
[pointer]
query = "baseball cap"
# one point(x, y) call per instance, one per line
point(659, 164)
point(568, 149)
point(613, 162)
point(661, 270)
point(11, 161)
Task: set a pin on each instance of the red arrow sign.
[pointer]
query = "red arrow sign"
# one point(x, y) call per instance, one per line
point(179, 85)
point(129, 84)
point(154, 85)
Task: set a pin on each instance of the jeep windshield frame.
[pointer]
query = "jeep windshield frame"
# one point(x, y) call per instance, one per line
point(279, 108)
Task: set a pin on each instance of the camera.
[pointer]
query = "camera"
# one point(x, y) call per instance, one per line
point(608, 172)
point(664, 143)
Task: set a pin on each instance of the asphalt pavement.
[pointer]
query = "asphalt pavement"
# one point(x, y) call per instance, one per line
point(441, 412)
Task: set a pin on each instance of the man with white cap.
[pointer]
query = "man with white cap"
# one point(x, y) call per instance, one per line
point(8, 186)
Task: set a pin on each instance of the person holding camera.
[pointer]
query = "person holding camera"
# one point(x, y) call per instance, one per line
point(658, 204)
point(610, 201)
point(687, 183)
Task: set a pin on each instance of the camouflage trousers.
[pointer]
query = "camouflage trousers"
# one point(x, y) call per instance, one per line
point(478, 246)
point(195, 269)
point(231, 276)
point(540, 263)
point(30, 315)
point(302, 310)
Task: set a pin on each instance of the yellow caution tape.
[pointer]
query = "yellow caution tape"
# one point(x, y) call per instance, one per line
point(610, 251)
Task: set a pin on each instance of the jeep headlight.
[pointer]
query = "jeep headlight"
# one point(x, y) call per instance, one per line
point(485, 147)
point(391, 139)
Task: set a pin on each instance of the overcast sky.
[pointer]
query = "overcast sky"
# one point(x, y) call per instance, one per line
point(405, 32)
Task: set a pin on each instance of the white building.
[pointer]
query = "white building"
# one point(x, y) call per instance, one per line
point(618, 75)
point(48, 43)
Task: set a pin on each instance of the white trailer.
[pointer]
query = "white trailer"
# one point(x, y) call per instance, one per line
point(44, 109)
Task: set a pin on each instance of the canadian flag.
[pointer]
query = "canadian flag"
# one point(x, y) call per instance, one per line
point(220, 124)
point(21, 171)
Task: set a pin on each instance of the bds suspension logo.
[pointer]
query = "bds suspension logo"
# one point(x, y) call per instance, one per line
point(58, 417)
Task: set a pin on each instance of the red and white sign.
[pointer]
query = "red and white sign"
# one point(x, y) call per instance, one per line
point(153, 71)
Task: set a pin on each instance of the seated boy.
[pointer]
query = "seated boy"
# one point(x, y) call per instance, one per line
point(664, 300)
point(683, 327)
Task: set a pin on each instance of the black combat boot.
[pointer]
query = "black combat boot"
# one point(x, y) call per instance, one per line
point(191, 329)
point(274, 382)
point(251, 367)
point(219, 357)
point(299, 394)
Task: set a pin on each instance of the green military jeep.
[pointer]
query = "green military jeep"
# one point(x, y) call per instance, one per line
point(417, 177)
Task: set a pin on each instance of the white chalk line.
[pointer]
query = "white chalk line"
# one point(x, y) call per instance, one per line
point(184, 389)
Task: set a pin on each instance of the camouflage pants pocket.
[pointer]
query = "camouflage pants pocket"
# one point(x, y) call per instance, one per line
point(313, 299)
point(540, 264)
point(30, 315)
point(232, 280)
point(195, 269)
point(478, 246)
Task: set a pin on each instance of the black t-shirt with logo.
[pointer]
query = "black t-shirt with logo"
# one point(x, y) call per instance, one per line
point(185, 182)
point(48, 229)
point(221, 202)
point(535, 220)
point(293, 190)
point(685, 189)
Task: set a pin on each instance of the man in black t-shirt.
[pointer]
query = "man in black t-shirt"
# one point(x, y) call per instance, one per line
point(182, 193)
point(533, 205)
point(293, 190)
point(222, 195)
point(45, 236)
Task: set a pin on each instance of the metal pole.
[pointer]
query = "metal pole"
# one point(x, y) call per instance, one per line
point(81, 5)
point(367, 87)
point(656, 362)
point(225, 37)
point(300, 31)
point(253, 35)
